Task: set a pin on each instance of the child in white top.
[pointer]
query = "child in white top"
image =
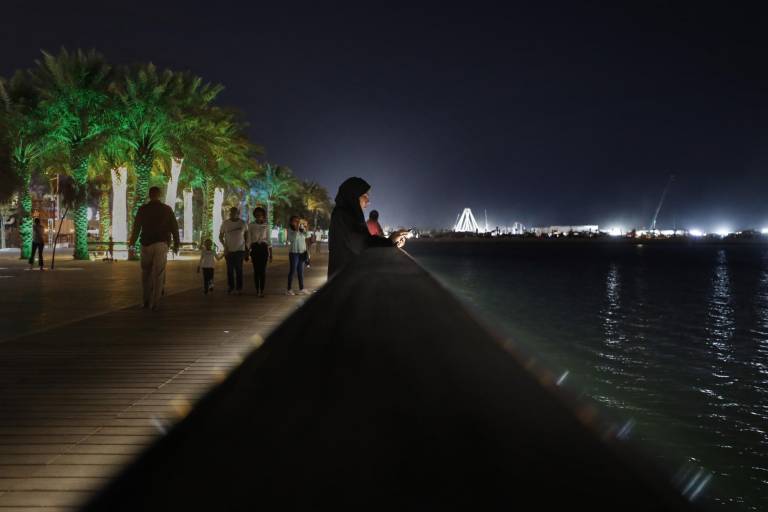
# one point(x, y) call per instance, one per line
point(207, 262)
point(297, 254)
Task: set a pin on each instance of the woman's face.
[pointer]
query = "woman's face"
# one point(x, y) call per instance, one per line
point(260, 218)
point(364, 200)
point(295, 223)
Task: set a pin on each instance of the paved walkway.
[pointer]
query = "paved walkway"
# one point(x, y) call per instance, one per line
point(79, 400)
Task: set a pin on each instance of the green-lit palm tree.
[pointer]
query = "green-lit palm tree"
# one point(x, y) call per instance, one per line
point(73, 112)
point(194, 124)
point(21, 146)
point(217, 137)
point(143, 104)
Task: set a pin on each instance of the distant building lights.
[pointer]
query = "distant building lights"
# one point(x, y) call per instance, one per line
point(696, 232)
point(722, 232)
point(615, 231)
point(764, 231)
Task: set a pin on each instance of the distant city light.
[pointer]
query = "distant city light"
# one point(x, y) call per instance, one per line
point(615, 231)
point(696, 232)
point(722, 232)
point(764, 231)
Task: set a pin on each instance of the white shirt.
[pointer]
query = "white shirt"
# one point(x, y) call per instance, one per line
point(207, 258)
point(233, 232)
point(258, 234)
point(297, 241)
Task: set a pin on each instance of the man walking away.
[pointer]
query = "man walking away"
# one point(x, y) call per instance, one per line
point(232, 235)
point(157, 224)
point(38, 241)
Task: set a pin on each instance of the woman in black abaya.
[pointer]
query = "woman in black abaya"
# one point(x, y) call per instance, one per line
point(348, 235)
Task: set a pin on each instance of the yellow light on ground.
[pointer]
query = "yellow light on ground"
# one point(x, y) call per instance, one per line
point(181, 407)
point(257, 340)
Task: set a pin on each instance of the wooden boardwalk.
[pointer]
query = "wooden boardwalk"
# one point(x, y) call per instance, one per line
point(79, 400)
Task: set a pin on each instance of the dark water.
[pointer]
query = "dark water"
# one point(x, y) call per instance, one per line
point(674, 340)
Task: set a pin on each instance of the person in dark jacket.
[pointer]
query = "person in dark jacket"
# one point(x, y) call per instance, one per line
point(157, 225)
point(348, 235)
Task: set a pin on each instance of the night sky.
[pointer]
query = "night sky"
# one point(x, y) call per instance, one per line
point(537, 112)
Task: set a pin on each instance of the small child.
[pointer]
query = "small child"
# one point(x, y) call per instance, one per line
point(208, 259)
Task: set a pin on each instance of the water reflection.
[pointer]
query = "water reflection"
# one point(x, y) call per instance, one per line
point(612, 311)
point(720, 314)
point(673, 340)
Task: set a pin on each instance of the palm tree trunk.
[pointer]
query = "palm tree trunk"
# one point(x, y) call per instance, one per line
point(188, 216)
point(218, 201)
point(81, 210)
point(25, 223)
point(143, 171)
point(2, 231)
point(105, 219)
point(171, 190)
point(119, 206)
point(207, 227)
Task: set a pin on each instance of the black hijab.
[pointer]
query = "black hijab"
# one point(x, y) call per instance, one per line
point(348, 202)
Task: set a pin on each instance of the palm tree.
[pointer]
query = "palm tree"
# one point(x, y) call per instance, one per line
point(144, 98)
point(217, 139)
point(316, 200)
point(74, 114)
point(20, 146)
point(109, 173)
point(193, 127)
point(275, 188)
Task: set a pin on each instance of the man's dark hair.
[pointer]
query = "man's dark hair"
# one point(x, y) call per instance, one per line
point(234, 210)
point(374, 215)
point(37, 220)
point(154, 192)
point(258, 210)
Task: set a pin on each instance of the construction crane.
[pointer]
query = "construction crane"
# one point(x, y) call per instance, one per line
point(661, 201)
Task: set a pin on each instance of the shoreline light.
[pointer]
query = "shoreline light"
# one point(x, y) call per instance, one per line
point(722, 232)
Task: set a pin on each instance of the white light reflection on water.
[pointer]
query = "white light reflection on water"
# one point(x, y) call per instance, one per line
point(720, 316)
point(612, 310)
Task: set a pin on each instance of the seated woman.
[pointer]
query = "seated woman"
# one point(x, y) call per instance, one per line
point(348, 235)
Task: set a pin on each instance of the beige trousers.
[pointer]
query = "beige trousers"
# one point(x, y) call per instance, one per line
point(153, 259)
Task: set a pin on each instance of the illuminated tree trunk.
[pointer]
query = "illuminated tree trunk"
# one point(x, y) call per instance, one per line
point(173, 183)
point(218, 201)
point(2, 230)
point(143, 171)
point(119, 205)
point(105, 222)
point(188, 216)
point(207, 217)
point(81, 210)
point(25, 223)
